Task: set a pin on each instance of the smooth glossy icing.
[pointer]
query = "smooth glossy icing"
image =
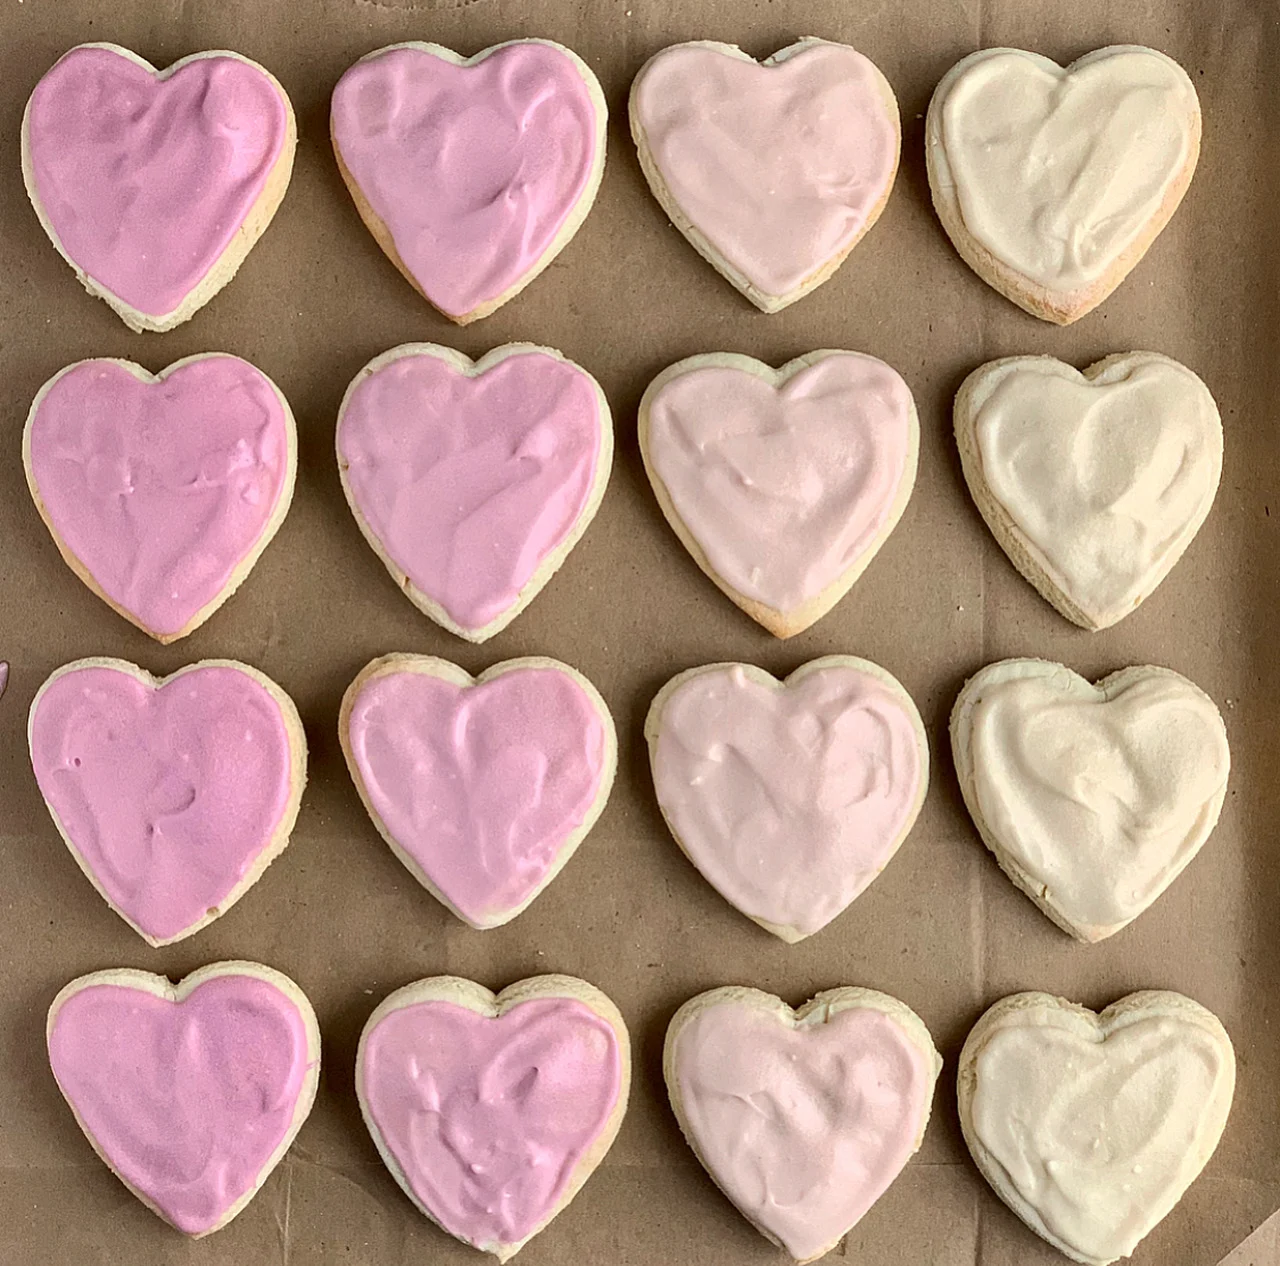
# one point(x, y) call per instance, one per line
point(4, 677)
point(778, 165)
point(187, 1101)
point(161, 487)
point(789, 800)
point(1101, 800)
point(474, 168)
point(1101, 1139)
point(783, 488)
point(487, 1119)
point(1058, 171)
point(168, 795)
point(803, 1127)
point(471, 482)
point(481, 785)
point(1107, 479)
point(145, 179)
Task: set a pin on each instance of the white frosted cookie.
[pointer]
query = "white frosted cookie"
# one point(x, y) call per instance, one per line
point(773, 170)
point(1093, 799)
point(1093, 483)
point(802, 1118)
point(1053, 183)
point(1091, 1127)
point(782, 484)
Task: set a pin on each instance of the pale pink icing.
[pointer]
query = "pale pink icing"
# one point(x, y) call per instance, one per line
point(145, 180)
point(187, 1101)
point(802, 1128)
point(470, 481)
point(161, 488)
point(786, 488)
point(473, 168)
point(789, 800)
point(167, 795)
point(778, 166)
point(481, 785)
point(486, 1118)
point(4, 677)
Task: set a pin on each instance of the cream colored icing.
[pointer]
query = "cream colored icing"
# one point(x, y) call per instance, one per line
point(1100, 795)
point(1107, 479)
point(1101, 1138)
point(1058, 171)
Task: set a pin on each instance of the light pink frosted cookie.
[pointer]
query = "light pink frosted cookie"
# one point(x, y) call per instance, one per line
point(790, 797)
point(191, 1093)
point(492, 1111)
point(803, 1118)
point(154, 185)
point(473, 480)
point(483, 787)
point(773, 170)
point(161, 491)
point(173, 794)
point(473, 174)
point(783, 484)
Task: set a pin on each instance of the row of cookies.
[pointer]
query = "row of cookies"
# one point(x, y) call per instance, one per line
point(1050, 183)
point(491, 1111)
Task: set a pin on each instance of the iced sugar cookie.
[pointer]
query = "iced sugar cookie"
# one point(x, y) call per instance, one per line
point(191, 1093)
point(173, 794)
point(525, 1092)
point(1053, 183)
point(483, 787)
point(473, 480)
point(473, 173)
point(1091, 1127)
point(773, 170)
point(155, 184)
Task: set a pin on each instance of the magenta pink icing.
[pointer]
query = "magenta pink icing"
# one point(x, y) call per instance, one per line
point(161, 487)
point(487, 1119)
point(145, 179)
point(187, 1101)
point(473, 168)
point(469, 481)
point(481, 785)
point(168, 795)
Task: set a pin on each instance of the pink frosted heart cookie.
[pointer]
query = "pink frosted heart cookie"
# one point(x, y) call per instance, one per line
point(783, 484)
point(790, 797)
point(173, 795)
point(474, 173)
point(155, 185)
point(484, 787)
point(773, 170)
point(473, 480)
point(803, 1118)
point(492, 1111)
point(161, 491)
point(190, 1093)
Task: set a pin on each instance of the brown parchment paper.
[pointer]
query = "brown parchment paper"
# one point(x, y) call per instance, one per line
point(942, 928)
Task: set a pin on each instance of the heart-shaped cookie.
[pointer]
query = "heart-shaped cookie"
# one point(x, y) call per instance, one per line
point(173, 795)
point(790, 797)
point(190, 1093)
point(492, 1111)
point(473, 480)
point(483, 787)
point(1053, 183)
point(1090, 1127)
point(1094, 483)
point(1092, 798)
point(472, 173)
point(803, 1118)
point(154, 185)
point(161, 491)
point(783, 484)
point(773, 170)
